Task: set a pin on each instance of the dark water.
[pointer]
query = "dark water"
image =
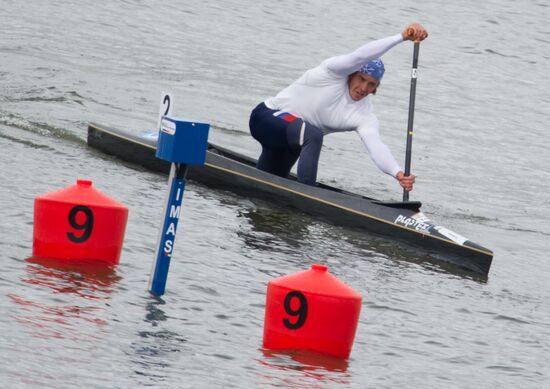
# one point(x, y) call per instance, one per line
point(480, 153)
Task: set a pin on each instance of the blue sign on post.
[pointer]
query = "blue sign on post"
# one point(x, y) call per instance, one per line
point(183, 143)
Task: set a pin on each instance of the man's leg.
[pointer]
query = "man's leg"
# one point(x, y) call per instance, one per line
point(273, 161)
point(308, 139)
point(269, 128)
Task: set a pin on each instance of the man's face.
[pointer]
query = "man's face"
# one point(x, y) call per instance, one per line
point(361, 85)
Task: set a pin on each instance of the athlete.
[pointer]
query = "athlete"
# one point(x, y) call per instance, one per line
point(332, 97)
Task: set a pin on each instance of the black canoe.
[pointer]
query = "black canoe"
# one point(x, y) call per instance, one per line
point(228, 170)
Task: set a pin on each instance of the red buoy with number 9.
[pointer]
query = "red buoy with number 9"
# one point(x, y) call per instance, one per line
point(311, 310)
point(79, 223)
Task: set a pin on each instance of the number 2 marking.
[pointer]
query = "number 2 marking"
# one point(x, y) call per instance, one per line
point(87, 226)
point(300, 312)
point(166, 101)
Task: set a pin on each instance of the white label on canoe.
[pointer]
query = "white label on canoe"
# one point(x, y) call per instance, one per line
point(421, 217)
point(451, 235)
point(168, 127)
point(418, 222)
point(414, 73)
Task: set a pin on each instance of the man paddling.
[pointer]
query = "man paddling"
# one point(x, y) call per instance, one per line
point(332, 97)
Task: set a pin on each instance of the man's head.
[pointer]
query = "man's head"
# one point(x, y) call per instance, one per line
point(375, 68)
point(366, 80)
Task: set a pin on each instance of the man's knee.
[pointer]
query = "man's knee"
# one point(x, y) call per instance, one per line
point(313, 135)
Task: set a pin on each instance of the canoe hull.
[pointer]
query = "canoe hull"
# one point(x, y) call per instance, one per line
point(230, 171)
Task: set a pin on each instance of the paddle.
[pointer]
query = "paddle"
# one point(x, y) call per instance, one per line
point(411, 116)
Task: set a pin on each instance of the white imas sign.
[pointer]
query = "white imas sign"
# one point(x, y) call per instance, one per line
point(174, 216)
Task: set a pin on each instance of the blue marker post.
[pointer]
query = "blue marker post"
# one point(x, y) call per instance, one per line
point(182, 143)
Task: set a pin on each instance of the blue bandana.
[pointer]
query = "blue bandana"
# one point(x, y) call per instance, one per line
point(374, 68)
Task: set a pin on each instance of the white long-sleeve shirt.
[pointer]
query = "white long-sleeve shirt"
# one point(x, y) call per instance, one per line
point(321, 97)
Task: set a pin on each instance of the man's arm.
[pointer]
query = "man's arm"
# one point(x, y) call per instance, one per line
point(382, 156)
point(378, 151)
point(346, 64)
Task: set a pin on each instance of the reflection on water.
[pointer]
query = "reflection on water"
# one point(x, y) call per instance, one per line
point(317, 370)
point(55, 321)
point(397, 253)
point(85, 279)
point(155, 348)
point(270, 225)
point(154, 313)
point(82, 284)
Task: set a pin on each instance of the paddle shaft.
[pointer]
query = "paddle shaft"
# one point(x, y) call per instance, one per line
point(411, 116)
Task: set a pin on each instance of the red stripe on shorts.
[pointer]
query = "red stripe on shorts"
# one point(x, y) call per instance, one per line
point(287, 117)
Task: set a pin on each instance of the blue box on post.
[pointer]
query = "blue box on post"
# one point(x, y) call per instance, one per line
point(182, 141)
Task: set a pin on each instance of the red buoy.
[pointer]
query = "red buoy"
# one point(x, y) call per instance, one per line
point(311, 310)
point(79, 223)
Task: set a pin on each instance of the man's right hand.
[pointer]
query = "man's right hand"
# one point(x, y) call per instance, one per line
point(414, 32)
